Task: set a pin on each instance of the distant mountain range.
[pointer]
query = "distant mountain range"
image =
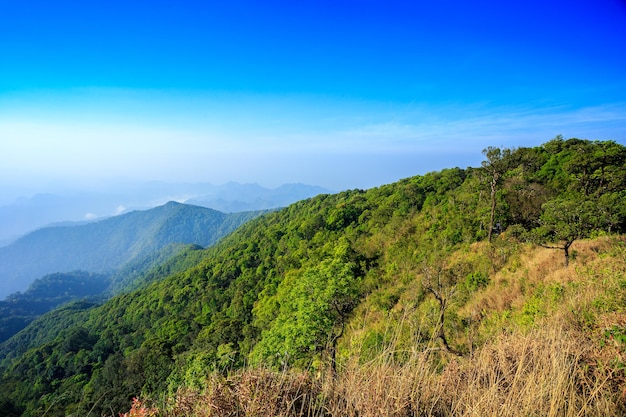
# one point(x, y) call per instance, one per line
point(26, 214)
point(107, 245)
point(233, 197)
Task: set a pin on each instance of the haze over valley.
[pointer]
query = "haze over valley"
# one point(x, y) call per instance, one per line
point(26, 213)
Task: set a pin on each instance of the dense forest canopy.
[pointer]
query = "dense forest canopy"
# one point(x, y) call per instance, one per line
point(288, 289)
point(46, 293)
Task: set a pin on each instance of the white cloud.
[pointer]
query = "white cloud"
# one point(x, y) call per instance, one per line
point(509, 127)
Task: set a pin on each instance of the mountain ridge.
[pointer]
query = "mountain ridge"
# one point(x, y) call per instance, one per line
point(106, 245)
point(26, 214)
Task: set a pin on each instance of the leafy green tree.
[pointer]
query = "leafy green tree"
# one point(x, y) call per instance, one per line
point(567, 219)
point(612, 210)
point(524, 200)
point(495, 167)
point(596, 167)
point(314, 308)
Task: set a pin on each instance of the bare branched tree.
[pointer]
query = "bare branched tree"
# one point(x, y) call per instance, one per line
point(437, 281)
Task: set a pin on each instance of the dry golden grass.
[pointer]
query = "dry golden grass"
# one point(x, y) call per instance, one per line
point(544, 373)
point(590, 276)
point(547, 372)
point(251, 393)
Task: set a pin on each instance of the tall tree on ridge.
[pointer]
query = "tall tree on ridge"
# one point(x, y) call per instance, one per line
point(495, 168)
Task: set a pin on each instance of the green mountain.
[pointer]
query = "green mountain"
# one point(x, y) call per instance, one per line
point(107, 245)
point(490, 289)
point(77, 292)
point(54, 290)
point(26, 214)
point(45, 294)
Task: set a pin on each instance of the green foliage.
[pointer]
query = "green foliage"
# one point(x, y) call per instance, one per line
point(617, 335)
point(495, 166)
point(533, 309)
point(566, 219)
point(313, 308)
point(476, 280)
point(569, 218)
point(154, 266)
point(45, 294)
point(385, 299)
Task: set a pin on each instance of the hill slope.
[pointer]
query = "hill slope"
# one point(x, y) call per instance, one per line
point(107, 245)
point(45, 294)
point(408, 299)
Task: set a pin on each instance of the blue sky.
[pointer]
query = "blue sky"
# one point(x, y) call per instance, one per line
point(342, 94)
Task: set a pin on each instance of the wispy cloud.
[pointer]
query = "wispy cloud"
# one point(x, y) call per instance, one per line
point(465, 129)
point(284, 139)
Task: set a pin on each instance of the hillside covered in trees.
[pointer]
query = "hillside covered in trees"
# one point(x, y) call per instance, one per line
point(481, 291)
point(46, 293)
point(110, 244)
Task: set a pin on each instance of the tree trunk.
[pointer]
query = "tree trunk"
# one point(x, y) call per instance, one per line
point(494, 182)
point(564, 248)
point(333, 357)
point(566, 251)
point(441, 334)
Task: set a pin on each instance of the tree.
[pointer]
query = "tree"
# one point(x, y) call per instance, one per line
point(596, 167)
point(434, 286)
point(441, 283)
point(495, 167)
point(566, 219)
point(314, 308)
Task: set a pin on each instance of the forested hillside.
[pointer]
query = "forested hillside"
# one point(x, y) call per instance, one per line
point(495, 290)
point(46, 293)
point(105, 246)
point(54, 290)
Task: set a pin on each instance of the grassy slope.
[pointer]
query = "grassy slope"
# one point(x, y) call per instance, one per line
point(545, 341)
